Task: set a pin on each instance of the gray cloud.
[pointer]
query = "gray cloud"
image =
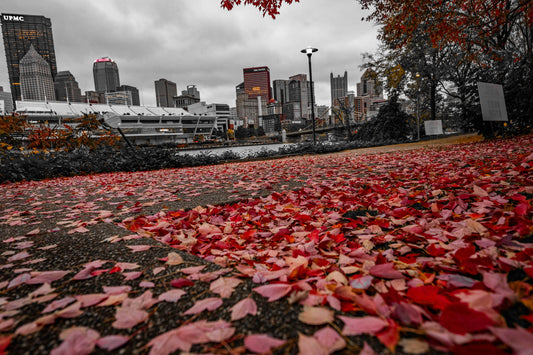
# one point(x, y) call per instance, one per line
point(197, 42)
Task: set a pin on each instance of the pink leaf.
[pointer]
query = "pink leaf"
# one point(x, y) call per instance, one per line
point(209, 304)
point(193, 269)
point(137, 248)
point(127, 266)
point(168, 343)
point(112, 342)
point(224, 286)
point(316, 315)
point(115, 290)
point(145, 301)
point(158, 269)
point(71, 311)
point(184, 337)
point(84, 274)
point(386, 271)
point(22, 278)
point(171, 296)
point(58, 304)
point(310, 346)
point(47, 277)
point(273, 291)
point(174, 259)
point(362, 325)
point(262, 343)
point(78, 230)
point(19, 256)
point(497, 282)
point(206, 229)
point(34, 232)
point(362, 283)
point(243, 308)
point(330, 339)
point(519, 339)
point(128, 276)
point(76, 340)
point(91, 299)
point(129, 317)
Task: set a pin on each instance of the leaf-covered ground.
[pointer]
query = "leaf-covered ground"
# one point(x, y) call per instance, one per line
point(415, 251)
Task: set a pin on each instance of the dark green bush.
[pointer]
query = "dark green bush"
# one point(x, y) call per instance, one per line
point(390, 125)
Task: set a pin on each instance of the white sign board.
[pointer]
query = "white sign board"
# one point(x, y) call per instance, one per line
point(2, 107)
point(492, 102)
point(433, 128)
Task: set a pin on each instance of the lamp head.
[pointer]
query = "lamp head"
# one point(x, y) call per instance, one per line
point(309, 50)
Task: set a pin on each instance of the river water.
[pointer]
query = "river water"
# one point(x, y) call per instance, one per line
point(242, 151)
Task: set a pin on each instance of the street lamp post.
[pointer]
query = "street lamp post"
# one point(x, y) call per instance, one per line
point(309, 51)
point(418, 104)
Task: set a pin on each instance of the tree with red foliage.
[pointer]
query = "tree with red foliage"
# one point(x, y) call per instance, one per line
point(268, 7)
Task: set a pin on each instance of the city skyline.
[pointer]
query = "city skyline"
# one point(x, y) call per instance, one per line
point(198, 43)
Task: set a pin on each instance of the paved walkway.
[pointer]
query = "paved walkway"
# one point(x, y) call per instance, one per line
point(66, 261)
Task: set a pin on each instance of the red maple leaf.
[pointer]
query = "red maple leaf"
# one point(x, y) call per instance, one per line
point(460, 319)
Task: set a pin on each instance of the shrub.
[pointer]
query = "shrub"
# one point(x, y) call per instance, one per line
point(390, 125)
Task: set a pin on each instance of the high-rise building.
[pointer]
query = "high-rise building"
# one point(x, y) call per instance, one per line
point(134, 93)
point(36, 81)
point(19, 32)
point(339, 87)
point(67, 88)
point(281, 91)
point(165, 90)
point(191, 91)
point(6, 102)
point(248, 110)
point(257, 83)
point(299, 92)
point(105, 73)
point(369, 85)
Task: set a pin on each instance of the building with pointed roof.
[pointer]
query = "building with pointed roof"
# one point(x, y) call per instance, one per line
point(36, 82)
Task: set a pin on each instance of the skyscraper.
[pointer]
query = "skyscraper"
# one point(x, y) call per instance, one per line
point(257, 83)
point(36, 81)
point(281, 90)
point(105, 73)
point(165, 90)
point(369, 85)
point(299, 92)
point(67, 88)
point(339, 87)
point(6, 102)
point(19, 32)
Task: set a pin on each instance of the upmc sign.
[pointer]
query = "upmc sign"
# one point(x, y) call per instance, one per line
point(17, 18)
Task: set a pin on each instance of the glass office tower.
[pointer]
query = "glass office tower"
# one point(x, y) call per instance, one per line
point(19, 33)
point(105, 72)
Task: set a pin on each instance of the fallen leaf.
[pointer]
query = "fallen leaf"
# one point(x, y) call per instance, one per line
point(244, 307)
point(209, 304)
point(262, 343)
point(273, 291)
point(316, 315)
point(362, 325)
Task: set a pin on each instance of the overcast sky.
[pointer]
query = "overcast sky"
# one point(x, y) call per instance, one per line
point(195, 42)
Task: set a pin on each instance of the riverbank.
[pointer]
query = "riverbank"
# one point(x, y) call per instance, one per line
point(44, 164)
